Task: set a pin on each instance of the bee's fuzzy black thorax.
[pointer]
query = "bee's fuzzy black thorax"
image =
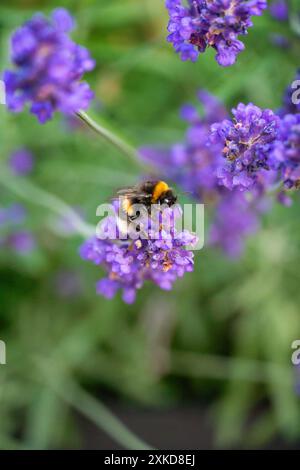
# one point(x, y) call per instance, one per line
point(147, 193)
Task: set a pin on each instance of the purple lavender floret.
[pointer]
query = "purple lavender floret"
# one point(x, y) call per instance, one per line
point(285, 156)
point(246, 142)
point(279, 10)
point(130, 263)
point(217, 23)
point(48, 69)
point(21, 162)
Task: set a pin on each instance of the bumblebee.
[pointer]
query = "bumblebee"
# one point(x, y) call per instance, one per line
point(146, 193)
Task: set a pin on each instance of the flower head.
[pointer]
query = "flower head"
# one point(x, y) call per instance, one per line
point(246, 142)
point(129, 263)
point(216, 23)
point(48, 68)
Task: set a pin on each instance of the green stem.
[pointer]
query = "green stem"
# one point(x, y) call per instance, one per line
point(68, 390)
point(103, 417)
point(110, 137)
point(28, 191)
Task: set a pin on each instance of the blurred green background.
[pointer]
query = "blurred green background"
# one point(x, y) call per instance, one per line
point(218, 346)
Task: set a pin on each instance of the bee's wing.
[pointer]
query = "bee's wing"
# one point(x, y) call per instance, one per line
point(132, 193)
point(126, 191)
point(123, 193)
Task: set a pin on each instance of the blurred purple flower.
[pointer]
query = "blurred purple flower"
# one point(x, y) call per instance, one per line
point(279, 10)
point(21, 162)
point(235, 220)
point(21, 241)
point(197, 24)
point(49, 67)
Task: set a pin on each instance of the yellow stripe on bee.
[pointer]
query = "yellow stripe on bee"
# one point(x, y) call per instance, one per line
point(160, 188)
point(126, 206)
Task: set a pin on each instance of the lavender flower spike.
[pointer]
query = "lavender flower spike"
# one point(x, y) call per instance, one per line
point(197, 24)
point(48, 68)
point(130, 263)
point(246, 142)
